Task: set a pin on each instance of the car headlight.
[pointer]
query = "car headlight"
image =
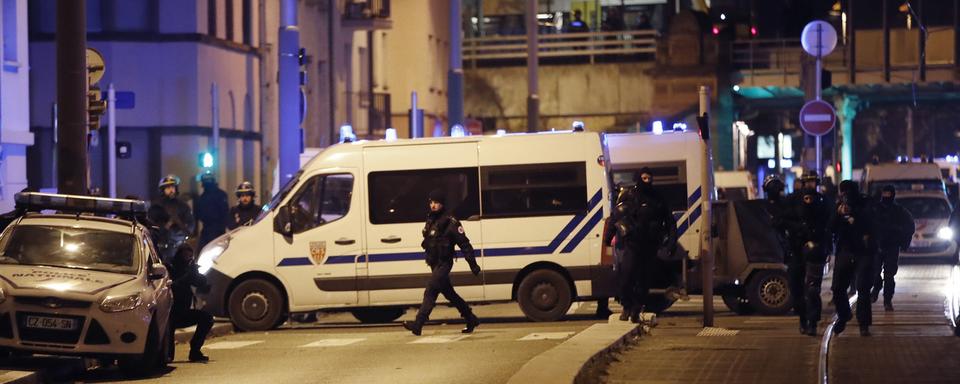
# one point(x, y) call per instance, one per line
point(210, 253)
point(945, 233)
point(121, 303)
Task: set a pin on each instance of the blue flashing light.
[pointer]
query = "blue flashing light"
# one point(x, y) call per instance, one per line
point(657, 127)
point(680, 127)
point(457, 131)
point(771, 163)
point(346, 134)
point(953, 158)
point(501, 132)
point(391, 134)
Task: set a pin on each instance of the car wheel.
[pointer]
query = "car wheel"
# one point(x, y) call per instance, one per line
point(658, 303)
point(153, 357)
point(544, 295)
point(769, 293)
point(737, 304)
point(378, 315)
point(255, 305)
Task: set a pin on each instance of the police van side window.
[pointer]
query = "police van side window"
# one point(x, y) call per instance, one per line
point(321, 200)
point(668, 179)
point(534, 189)
point(401, 196)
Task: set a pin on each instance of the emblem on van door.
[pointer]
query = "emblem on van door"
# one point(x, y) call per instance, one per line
point(318, 249)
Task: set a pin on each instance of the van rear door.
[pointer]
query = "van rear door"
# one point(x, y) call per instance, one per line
point(399, 180)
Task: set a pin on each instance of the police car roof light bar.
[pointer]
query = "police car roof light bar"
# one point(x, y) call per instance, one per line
point(34, 201)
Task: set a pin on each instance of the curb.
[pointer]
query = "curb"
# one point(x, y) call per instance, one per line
point(19, 377)
point(570, 361)
point(219, 329)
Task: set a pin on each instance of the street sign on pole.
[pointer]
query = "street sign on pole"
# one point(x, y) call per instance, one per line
point(95, 66)
point(817, 117)
point(818, 38)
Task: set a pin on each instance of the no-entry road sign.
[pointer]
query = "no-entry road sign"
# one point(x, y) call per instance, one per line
point(817, 117)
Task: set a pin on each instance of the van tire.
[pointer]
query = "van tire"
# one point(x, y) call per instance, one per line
point(769, 293)
point(544, 295)
point(375, 315)
point(255, 305)
point(737, 304)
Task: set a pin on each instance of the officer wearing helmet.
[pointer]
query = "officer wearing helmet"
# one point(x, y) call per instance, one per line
point(894, 233)
point(246, 210)
point(853, 228)
point(810, 244)
point(171, 215)
point(210, 209)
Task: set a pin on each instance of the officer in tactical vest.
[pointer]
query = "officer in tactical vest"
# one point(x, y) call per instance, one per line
point(246, 210)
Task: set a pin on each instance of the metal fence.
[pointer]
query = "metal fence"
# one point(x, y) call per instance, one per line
point(631, 45)
point(379, 114)
point(368, 9)
point(777, 56)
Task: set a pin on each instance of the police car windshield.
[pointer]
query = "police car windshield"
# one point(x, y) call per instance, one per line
point(284, 191)
point(925, 207)
point(68, 247)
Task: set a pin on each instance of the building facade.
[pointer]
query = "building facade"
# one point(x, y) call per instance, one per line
point(15, 134)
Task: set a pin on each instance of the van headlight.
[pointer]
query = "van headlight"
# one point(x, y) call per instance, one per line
point(945, 233)
point(211, 253)
point(121, 303)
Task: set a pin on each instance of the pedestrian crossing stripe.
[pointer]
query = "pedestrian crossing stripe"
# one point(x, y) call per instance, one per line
point(331, 343)
point(546, 336)
point(231, 344)
point(439, 339)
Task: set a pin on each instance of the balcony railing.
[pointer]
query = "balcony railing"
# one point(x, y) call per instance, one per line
point(379, 114)
point(640, 45)
point(367, 9)
point(778, 56)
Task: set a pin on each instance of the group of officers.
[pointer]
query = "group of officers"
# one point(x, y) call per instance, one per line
point(864, 233)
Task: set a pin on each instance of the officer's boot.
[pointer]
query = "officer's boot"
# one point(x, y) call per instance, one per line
point(416, 326)
point(472, 322)
point(865, 330)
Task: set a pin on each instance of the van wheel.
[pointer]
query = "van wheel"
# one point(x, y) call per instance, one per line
point(769, 293)
point(153, 358)
point(378, 315)
point(737, 304)
point(544, 295)
point(255, 305)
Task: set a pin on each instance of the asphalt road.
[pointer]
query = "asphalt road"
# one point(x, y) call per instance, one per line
point(337, 349)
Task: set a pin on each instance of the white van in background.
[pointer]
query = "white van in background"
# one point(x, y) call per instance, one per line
point(345, 232)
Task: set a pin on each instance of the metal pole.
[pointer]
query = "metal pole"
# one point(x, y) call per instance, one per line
point(455, 76)
point(819, 85)
point(707, 201)
point(72, 86)
point(533, 100)
point(215, 121)
point(923, 41)
point(112, 141)
point(56, 148)
point(886, 41)
point(416, 129)
point(289, 90)
point(852, 35)
point(956, 33)
point(910, 132)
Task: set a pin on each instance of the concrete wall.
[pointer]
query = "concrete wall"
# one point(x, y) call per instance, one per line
point(15, 133)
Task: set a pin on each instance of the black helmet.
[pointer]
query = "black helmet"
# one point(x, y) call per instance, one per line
point(245, 188)
point(208, 178)
point(889, 188)
point(439, 196)
point(772, 182)
point(810, 175)
point(170, 180)
point(849, 187)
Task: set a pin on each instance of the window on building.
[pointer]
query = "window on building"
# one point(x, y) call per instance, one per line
point(534, 189)
point(321, 200)
point(10, 35)
point(212, 17)
point(401, 196)
point(228, 10)
point(247, 22)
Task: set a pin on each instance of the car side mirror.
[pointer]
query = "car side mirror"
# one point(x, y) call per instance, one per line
point(281, 222)
point(157, 272)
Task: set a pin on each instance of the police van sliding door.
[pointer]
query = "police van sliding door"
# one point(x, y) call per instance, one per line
point(399, 180)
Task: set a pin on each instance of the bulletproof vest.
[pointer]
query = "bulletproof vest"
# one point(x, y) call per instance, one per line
point(436, 243)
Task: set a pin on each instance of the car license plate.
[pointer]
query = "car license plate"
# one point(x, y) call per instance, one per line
point(43, 322)
point(920, 244)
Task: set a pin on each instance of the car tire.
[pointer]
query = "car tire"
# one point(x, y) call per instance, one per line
point(737, 304)
point(255, 305)
point(768, 292)
point(153, 358)
point(375, 315)
point(657, 303)
point(544, 295)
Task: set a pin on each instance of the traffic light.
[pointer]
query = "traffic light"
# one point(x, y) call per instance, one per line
point(206, 160)
point(96, 107)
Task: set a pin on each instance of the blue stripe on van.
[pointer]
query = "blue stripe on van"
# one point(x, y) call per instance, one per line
point(340, 259)
point(294, 261)
point(583, 232)
point(694, 197)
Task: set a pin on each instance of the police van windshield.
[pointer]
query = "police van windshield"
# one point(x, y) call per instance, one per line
point(907, 185)
point(284, 191)
point(926, 207)
point(68, 247)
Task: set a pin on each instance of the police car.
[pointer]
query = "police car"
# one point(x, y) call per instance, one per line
point(72, 283)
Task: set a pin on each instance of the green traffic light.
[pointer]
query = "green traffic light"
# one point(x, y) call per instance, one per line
point(206, 160)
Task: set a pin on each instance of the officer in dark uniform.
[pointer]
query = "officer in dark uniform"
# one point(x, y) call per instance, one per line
point(813, 217)
point(185, 276)
point(895, 228)
point(441, 232)
point(852, 227)
point(211, 209)
point(246, 210)
point(785, 224)
point(172, 217)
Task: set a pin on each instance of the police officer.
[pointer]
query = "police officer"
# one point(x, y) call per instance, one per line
point(852, 227)
point(185, 276)
point(246, 210)
point(813, 239)
point(895, 229)
point(171, 215)
point(211, 210)
point(785, 223)
point(441, 232)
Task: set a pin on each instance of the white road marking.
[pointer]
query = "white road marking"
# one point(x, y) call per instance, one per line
point(439, 339)
point(331, 343)
point(546, 336)
point(231, 344)
point(574, 307)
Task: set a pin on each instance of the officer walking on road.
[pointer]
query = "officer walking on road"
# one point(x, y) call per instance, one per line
point(895, 228)
point(852, 226)
point(441, 232)
point(172, 216)
point(185, 276)
point(246, 210)
point(813, 216)
point(210, 210)
point(785, 223)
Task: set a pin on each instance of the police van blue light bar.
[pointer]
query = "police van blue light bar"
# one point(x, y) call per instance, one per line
point(33, 201)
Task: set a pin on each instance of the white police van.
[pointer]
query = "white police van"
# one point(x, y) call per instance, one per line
point(79, 284)
point(345, 232)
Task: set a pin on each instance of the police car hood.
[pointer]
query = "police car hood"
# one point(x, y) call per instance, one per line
point(61, 279)
point(929, 226)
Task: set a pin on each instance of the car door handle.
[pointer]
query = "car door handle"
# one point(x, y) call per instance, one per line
point(344, 241)
point(390, 240)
